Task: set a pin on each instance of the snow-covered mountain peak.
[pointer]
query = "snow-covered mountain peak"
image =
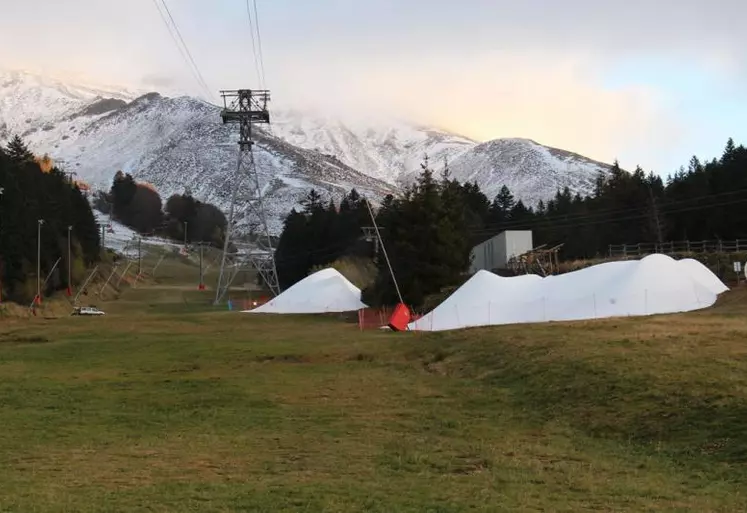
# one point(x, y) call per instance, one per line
point(531, 170)
point(177, 141)
point(383, 149)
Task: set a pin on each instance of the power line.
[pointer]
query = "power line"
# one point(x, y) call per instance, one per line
point(254, 45)
point(612, 211)
point(183, 48)
point(259, 41)
point(186, 48)
point(594, 219)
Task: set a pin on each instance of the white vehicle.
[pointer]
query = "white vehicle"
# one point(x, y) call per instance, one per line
point(87, 310)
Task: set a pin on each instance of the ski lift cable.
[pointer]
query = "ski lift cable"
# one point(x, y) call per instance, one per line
point(254, 44)
point(259, 44)
point(175, 33)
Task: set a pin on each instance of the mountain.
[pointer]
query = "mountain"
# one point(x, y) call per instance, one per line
point(172, 143)
point(393, 152)
point(180, 142)
point(385, 149)
point(532, 171)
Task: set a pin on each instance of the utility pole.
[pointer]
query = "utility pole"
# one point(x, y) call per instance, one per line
point(185, 235)
point(247, 107)
point(659, 237)
point(69, 262)
point(39, 222)
point(386, 256)
point(2, 261)
point(139, 255)
point(202, 281)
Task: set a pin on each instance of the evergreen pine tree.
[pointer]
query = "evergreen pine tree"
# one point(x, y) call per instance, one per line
point(18, 152)
point(292, 255)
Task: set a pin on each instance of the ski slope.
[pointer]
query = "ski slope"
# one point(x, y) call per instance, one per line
point(124, 240)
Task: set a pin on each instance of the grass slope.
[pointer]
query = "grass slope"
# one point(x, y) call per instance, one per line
point(178, 409)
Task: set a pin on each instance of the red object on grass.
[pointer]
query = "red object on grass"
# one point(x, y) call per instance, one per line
point(37, 300)
point(69, 292)
point(400, 318)
point(202, 286)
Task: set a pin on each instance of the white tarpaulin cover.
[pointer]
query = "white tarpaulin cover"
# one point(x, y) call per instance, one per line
point(657, 284)
point(326, 291)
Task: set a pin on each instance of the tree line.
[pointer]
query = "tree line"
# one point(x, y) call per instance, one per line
point(430, 229)
point(139, 206)
point(33, 189)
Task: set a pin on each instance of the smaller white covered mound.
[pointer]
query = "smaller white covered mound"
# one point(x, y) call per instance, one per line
point(326, 291)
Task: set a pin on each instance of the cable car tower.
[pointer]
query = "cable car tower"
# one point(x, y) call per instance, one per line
point(247, 107)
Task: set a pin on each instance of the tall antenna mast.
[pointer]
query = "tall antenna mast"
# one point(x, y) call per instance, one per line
point(247, 107)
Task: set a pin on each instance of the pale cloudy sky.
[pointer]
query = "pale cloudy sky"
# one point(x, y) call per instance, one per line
point(650, 82)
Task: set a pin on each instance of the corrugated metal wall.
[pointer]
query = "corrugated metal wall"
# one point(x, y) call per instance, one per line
point(495, 253)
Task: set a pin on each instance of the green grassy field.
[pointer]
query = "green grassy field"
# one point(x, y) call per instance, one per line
point(167, 405)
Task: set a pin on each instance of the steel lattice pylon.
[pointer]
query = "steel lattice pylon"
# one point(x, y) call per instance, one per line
point(247, 107)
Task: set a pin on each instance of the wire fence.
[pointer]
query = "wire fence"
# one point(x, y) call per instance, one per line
point(677, 247)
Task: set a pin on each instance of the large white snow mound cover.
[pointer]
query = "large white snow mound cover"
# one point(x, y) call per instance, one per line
point(326, 291)
point(657, 284)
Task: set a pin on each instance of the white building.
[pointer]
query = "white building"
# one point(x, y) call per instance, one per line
point(495, 253)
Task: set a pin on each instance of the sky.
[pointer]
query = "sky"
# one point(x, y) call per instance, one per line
point(648, 82)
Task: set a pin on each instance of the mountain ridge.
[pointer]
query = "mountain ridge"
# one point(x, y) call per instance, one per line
point(178, 142)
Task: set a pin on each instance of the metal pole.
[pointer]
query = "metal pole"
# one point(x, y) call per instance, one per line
point(153, 272)
point(85, 284)
point(121, 277)
point(69, 262)
point(49, 275)
point(202, 285)
point(227, 234)
point(186, 224)
point(139, 255)
point(383, 249)
point(40, 222)
point(47, 278)
point(108, 279)
point(2, 261)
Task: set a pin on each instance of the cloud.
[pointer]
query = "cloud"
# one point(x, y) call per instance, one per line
point(553, 98)
point(532, 68)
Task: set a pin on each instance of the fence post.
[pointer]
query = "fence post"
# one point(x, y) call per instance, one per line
point(595, 305)
point(610, 249)
point(688, 245)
